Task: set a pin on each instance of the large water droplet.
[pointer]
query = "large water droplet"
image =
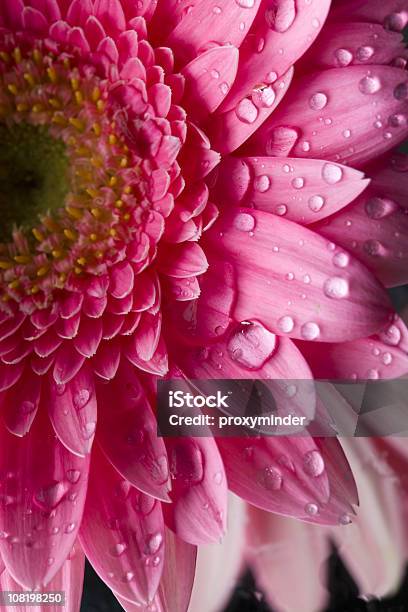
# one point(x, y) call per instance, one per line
point(313, 463)
point(281, 141)
point(281, 14)
point(364, 53)
point(272, 479)
point(118, 549)
point(246, 111)
point(262, 183)
point(310, 331)
point(244, 222)
point(298, 182)
point(316, 203)
point(154, 543)
point(187, 462)
point(401, 91)
point(391, 336)
point(369, 85)
point(312, 509)
point(336, 287)
point(246, 3)
point(263, 96)
point(343, 57)
point(251, 345)
point(50, 496)
point(73, 476)
point(332, 174)
point(286, 324)
point(341, 259)
point(318, 101)
point(377, 208)
point(81, 398)
point(373, 248)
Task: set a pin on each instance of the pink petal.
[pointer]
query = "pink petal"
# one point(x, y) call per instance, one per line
point(284, 25)
point(183, 261)
point(198, 514)
point(277, 262)
point(202, 25)
point(158, 364)
point(293, 188)
point(121, 280)
point(12, 11)
point(49, 8)
point(79, 11)
point(68, 362)
point(42, 503)
point(128, 435)
point(146, 337)
point(21, 403)
point(34, 21)
point(9, 375)
point(329, 127)
point(276, 544)
point(375, 230)
point(377, 11)
point(209, 78)
point(228, 130)
point(111, 15)
point(72, 409)
point(107, 359)
point(89, 336)
point(122, 533)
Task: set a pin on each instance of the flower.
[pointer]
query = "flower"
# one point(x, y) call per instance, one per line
point(177, 203)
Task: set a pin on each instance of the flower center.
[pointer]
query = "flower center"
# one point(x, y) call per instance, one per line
point(33, 175)
point(69, 185)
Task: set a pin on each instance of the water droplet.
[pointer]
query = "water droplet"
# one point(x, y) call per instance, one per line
point(344, 519)
point(88, 430)
point(364, 53)
point(262, 183)
point(298, 182)
point(251, 345)
point(377, 208)
point(246, 3)
point(215, 74)
point(272, 479)
point(373, 248)
point(369, 85)
point(387, 359)
point(291, 391)
point(73, 476)
point(311, 509)
point(263, 96)
point(187, 462)
point(244, 222)
point(156, 561)
point(316, 203)
point(373, 374)
point(281, 15)
point(318, 101)
point(217, 10)
point(290, 276)
point(286, 324)
point(310, 331)
point(347, 133)
point(271, 77)
point(69, 528)
point(154, 543)
point(397, 120)
point(343, 57)
point(395, 21)
point(128, 577)
point(391, 336)
point(341, 260)
point(313, 463)
point(401, 91)
point(306, 279)
point(281, 210)
point(218, 478)
point(246, 111)
point(332, 174)
point(336, 287)
point(281, 141)
point(224, 87)
point(49, 497)
point(81, 398)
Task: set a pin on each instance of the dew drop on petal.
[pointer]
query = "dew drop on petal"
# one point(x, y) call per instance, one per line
point(341, 259)
point(369, 85)
point(313, 463)
point(262, 183)
point(298, 182)
point(336, 287)
point(363, 54)
point(387, 358)
point(373, 374)
point(344, 519)
point(246, 111)
point(154, 543)
point(318, 101)
point(310, 331)
point(332, 174)
point(251, 345)
point(391, 336)
point(272, 479)
point(312, 509)
point(244, 222)
point(401, 91)
point(246, 3)
point(343, 57)
point(280, 15)
point(316, 203)
point(81, 398)
point(118, 549)
point(286, 324)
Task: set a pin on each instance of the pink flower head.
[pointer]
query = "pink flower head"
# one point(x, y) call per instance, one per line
point(165, 177)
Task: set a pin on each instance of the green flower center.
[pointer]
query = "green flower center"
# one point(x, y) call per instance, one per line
point(33, 175)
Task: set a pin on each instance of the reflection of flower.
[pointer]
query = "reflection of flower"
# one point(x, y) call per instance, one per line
point(151, 201)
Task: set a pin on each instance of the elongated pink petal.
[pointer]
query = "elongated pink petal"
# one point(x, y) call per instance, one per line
point(377, 11)
point(21, 403)
point(327, 126)
point(122, 533)
point(209, 78)
point(42, 503)
point(204, 24)
point(276, 544)
point(277, 262)
point(281, 33)
point(183, 261)
point(128, 435)
point(68, 362)
point(72, 409)
point(198, 514)
point(293, 188)
point(221, 564)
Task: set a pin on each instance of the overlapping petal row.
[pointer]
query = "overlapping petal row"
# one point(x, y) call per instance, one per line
point(222, 167)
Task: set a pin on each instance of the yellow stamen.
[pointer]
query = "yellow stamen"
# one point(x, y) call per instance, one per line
point(77, 124)
point(100, 105)
point(81, 261)
point(96, 94)
point(5, 265)
point(70, 234)
point(96, 213)
point(79, 97)
point(22, 108)
point(17, 55)
point(38, 108)
point(94, 237)
point(75, 84)
point(37, 55)
point(97, 129)
point(14, 284)
point(35, 289)
point(42, 271)
point(113, 181)
point(119, 203)
point(12, 89)
point(4, 56)
point(22, 259)
point(57, 254)
point(29, 79)
point(55, 103)
point(112, 139)
point(76, 213)
point(52, 75)
point(37, 234)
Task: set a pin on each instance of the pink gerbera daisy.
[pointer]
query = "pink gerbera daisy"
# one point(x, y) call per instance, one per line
point(164, 178)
